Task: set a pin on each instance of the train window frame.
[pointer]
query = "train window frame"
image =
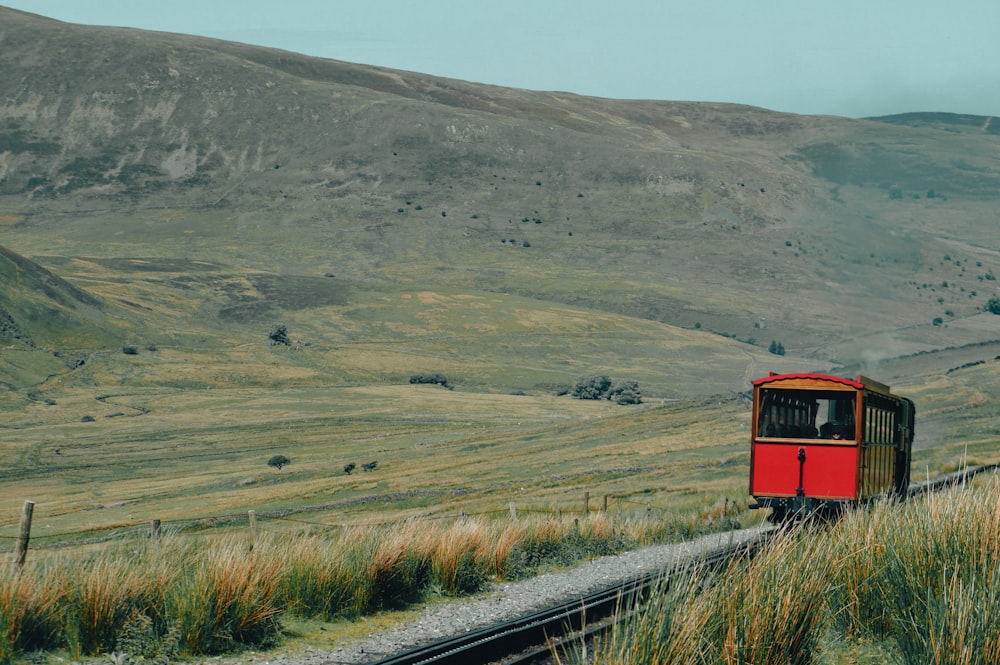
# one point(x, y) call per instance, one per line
point(883, 421)
point(800, 409)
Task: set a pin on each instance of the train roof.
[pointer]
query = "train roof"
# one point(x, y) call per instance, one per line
point(859, 383)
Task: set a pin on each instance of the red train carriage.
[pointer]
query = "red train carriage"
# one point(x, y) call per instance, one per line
point(820, 442)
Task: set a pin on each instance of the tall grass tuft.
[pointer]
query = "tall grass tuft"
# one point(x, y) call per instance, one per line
point(865, 611)
point(957, 624)
point(320, 577)
point(935, 576)
point(774, 609)
point(671, 626)
point(396, 571)
point(228, 598)
point(33, 609)
point(771, 610)
point(460, 557)
point(108, 589)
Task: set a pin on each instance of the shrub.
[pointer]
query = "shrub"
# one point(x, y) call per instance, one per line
point(625, 392)
point(993, 306)
point(592, 387)
point(777, 348)
point(437, 378)
point(601, 387)
point(130, 350)
point(279, 335)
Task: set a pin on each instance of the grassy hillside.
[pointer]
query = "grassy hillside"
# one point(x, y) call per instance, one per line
point(175, 197)
point(842, 236)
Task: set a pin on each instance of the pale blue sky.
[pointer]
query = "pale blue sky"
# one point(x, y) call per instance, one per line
point(851, 57)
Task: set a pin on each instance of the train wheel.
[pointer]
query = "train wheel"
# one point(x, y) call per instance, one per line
point(779, 515)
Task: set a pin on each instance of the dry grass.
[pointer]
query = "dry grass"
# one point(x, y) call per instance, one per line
point(33, 609)
point(216, 594)
point(913, 583)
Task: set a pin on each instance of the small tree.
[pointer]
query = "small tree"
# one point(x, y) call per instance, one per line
point(349, 467)
point(993, 306)
point(777, 348)
point(279, 335)
point(278, 461)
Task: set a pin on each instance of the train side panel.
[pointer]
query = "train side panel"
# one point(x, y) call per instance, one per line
point(829, 471)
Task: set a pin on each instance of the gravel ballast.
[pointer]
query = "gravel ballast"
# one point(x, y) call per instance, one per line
point(506, 601)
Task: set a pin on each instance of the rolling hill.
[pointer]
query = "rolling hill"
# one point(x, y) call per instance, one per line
point(202, 189)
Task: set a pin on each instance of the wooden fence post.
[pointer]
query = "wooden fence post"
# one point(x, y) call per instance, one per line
point(252, 515)
point(604, 505)
point(586, 503)
point(23, 534)
point(154, 530)
point(513, 511)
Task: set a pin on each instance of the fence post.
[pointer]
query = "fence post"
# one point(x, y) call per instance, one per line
point(586, 503)
point(154, 530)
point(252, 515)
point(23, 534)
point(649, 510)
point(513, 511)
point(604, 505)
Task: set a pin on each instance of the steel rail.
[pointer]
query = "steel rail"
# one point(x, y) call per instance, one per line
point(950, 480)
point(531, 637)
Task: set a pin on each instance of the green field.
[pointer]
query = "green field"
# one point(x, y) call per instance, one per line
point(183, 455)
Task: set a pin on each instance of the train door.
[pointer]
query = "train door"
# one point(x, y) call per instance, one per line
point(904, 446)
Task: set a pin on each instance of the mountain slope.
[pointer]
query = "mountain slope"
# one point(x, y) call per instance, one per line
point(844, 239)
point(40, 309)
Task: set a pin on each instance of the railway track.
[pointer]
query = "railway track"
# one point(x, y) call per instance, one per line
point(531, 638)
point(950, 480)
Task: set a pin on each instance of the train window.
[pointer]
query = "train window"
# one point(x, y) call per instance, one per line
point(806, 414)
point(882, 420)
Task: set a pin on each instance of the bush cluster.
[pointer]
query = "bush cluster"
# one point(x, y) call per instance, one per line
point(602, 387)
point(430, 378)
point(278, 334)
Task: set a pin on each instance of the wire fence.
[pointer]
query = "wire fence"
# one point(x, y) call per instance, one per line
point(609, 503)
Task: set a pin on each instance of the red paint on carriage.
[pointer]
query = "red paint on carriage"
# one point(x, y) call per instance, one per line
point(819, 442)
point(829, 470)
